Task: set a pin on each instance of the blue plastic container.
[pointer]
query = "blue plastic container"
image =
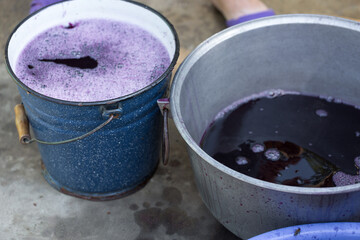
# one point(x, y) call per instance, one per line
point(318, 231)
point(120, 157)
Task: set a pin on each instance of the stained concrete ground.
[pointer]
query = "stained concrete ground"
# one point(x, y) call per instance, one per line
point(169, 206)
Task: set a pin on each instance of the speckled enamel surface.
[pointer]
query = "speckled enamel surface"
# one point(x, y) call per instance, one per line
point(116, 158)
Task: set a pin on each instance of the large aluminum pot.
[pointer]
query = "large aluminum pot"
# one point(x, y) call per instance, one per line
point(317, 55)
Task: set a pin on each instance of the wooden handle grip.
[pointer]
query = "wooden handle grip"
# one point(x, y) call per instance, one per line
point(22, 124)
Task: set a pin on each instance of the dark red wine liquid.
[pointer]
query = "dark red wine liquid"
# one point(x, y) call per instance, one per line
point(289, 139)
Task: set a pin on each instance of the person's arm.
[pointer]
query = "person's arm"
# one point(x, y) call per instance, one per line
point(38, 4)
point(238, 11)
point(249, 17)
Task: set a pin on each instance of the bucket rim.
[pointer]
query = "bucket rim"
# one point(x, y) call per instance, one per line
point(221, 36)
point(102, 102)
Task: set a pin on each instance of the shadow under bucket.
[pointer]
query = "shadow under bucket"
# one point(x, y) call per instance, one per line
point(309, 54)
point(96, 150)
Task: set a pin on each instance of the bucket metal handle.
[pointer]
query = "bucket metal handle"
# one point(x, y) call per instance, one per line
point(22, 126)
point(164, 106)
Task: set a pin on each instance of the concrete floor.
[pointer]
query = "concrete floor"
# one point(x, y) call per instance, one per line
point(169, 206)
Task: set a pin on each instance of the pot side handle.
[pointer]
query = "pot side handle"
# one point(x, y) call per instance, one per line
point(22, 124)
point(164, 106)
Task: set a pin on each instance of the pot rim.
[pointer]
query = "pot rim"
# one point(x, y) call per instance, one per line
point(221, 36)
point(103, 102)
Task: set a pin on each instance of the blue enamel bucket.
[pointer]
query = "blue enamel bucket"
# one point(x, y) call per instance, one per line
point(96, 150)
point(318, 231)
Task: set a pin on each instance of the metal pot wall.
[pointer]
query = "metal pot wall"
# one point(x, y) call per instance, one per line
point(316, 55)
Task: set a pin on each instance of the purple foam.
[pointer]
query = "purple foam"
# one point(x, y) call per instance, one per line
point(343, 179)
point(129, 59)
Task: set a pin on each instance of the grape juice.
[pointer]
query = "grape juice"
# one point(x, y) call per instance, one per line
point(289, 139)
point(92, 60)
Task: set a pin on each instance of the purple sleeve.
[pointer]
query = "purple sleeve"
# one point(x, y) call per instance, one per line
point(38, 4)
point(249, 17)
